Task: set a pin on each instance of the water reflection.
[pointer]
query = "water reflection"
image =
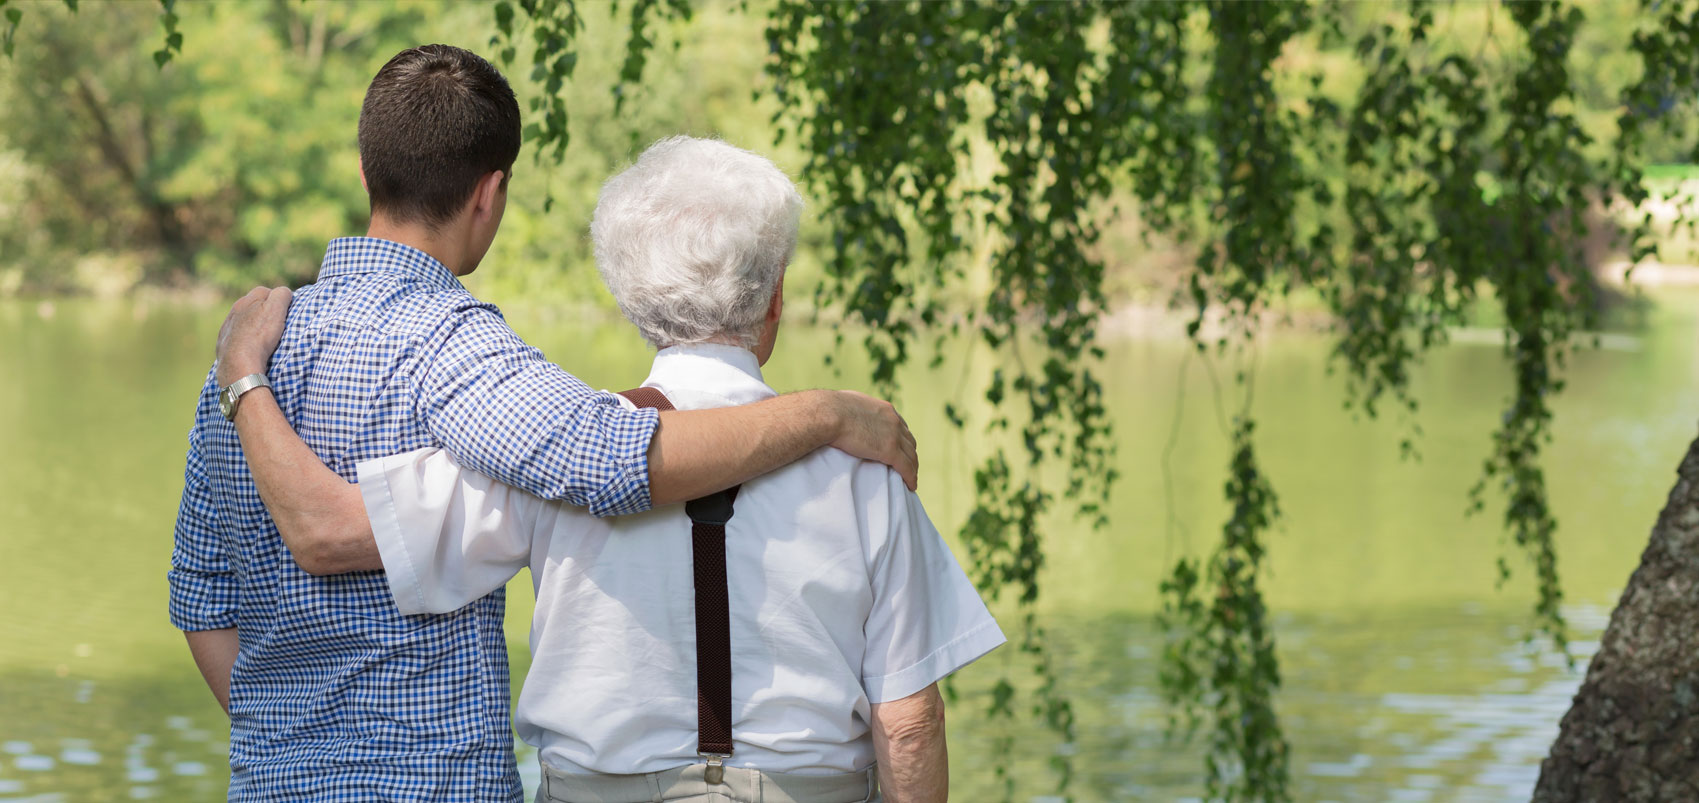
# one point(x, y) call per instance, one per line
point(77, 739)
point(1406, 674)
point(1444, 706)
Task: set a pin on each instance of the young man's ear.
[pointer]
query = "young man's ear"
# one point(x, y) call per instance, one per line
point(362, 164)
point(489, 191)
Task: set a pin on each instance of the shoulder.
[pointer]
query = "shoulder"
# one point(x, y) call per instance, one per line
point(393, 304)
point(831, 466)
point(871, 492)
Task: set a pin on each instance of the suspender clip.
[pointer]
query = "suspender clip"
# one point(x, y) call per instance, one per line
point(715, 774)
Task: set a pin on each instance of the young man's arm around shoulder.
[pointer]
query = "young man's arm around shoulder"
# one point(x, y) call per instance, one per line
point(691, 454)
point(504, 411)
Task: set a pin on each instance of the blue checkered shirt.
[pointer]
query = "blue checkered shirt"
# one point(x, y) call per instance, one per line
point(335, 695)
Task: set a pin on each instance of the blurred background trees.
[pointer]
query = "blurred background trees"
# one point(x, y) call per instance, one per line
point(234, 165)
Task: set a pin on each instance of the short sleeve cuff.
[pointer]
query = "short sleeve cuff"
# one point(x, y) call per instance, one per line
point(379, 498)
point(202, 600)
point(627, 491)
point(941, 663)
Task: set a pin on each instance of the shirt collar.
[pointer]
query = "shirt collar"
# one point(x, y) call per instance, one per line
point(712, 369)
point(351, 255)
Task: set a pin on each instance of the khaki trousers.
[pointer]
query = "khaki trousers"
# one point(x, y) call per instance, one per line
point(688, 784)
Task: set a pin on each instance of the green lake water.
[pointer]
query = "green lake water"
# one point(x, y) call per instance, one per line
point(1407, 676)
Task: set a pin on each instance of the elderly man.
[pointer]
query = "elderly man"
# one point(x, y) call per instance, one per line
point(822, 588)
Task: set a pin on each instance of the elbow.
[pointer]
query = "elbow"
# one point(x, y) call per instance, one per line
point(312, 547)
point(314, 562)
point(919, 730)
point(315, 565)
point(913, 723)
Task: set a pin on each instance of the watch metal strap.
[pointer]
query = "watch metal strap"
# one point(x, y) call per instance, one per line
point(232, 393)
point(246, 384)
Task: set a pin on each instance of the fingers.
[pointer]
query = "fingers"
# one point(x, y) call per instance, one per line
point(874, 430)
point(910, 470)
point(251, 331)
point(906, 444)
point(252, 297)
point(275, 305)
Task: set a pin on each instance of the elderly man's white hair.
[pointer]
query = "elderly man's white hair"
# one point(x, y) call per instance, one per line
point(693, 239)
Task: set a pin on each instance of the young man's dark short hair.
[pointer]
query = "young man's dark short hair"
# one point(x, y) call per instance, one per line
point(436, 119)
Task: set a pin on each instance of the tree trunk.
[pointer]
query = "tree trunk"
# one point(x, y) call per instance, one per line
point(1633, 731)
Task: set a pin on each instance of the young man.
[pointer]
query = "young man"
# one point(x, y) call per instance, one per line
point(332, 693)
point(840, 607)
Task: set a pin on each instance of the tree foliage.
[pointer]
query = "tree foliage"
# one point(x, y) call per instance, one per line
point(228, 165)
point(1078, 98)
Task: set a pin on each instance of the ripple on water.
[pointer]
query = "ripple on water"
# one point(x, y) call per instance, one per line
point(189, 768)
point(81, 757)
point(1340, 769)
point(34, 763)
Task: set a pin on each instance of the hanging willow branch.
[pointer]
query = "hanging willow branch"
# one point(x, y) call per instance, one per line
point(1073, 101)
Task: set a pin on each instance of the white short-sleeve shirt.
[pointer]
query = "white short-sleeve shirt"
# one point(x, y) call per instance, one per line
point(842, 595)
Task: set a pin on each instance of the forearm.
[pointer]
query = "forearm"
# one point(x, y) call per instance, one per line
point(908, 742)
point(214, 652)
point(699, 452)
point(320, 516)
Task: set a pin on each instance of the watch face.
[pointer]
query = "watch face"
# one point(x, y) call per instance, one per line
point(224, 405)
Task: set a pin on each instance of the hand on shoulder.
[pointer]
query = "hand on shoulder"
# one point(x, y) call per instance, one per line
point(251, 332)
point(871, 429)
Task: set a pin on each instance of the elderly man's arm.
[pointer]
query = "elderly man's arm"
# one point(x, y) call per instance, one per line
point(908, 741)
point(926, 622)
point(319, 515)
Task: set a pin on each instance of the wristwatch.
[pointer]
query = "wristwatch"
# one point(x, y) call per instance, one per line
point(231, 394)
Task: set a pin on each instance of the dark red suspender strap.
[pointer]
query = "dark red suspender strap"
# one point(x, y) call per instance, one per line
point(708, 517)
point(648, 397)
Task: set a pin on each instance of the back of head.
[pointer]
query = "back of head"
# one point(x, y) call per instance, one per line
point(693, 239)
point(436, 120)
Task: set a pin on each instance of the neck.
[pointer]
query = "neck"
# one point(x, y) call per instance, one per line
point(440, 244)
point(761, 352)
point(712, 341)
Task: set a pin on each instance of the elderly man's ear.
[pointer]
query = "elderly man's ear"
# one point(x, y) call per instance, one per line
point(776, 307)
point(770, 334)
